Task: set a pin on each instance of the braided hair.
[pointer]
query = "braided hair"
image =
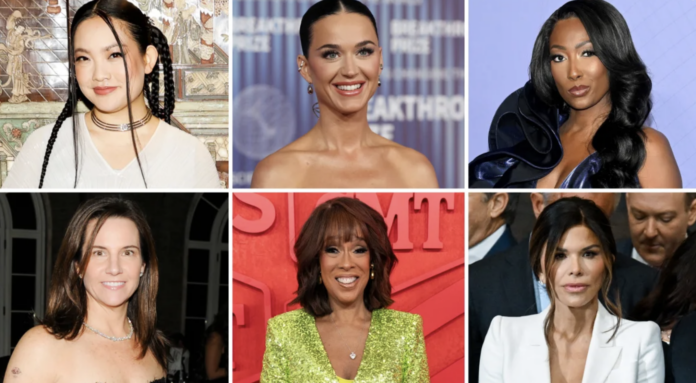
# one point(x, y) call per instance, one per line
point(145, 33)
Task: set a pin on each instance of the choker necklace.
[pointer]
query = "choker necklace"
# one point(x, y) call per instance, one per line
point(113, 338)
point(121, 127)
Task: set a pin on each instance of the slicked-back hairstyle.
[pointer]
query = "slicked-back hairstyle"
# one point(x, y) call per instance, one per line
point(145, 33)
point(338, 221)
point(619, 141)
point(553, 223)
point(325, 8)
point(675, 293)
point(67, 297)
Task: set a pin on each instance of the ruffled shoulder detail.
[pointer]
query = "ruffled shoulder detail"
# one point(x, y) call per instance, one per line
point(523, 143)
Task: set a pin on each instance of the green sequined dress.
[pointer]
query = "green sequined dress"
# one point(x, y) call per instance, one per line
point(394, 350)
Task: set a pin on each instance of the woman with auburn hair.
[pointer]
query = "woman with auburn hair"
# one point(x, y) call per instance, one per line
point(576, 338)
point(344, 332)
point(100, 321)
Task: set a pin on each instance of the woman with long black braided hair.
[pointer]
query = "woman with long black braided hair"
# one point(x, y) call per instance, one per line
point(114, 52)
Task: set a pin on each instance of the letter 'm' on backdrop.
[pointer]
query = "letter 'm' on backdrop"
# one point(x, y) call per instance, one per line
point(420, 103)
point(426, 231)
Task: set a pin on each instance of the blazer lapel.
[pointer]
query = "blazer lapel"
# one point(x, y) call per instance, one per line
point(535, 352)
point(603, 354)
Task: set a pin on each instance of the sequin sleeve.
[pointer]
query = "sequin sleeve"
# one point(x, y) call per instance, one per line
point(416, 360)
point(274, 361)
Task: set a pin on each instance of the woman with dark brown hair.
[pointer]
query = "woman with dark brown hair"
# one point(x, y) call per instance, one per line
point(576, 339)
point(344, 332)
point(100, 321)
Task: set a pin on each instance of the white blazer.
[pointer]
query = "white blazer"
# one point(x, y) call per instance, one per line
point(515, 351)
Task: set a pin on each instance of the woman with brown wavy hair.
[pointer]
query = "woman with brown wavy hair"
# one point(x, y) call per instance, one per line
point(100, 321)
point(344, 332)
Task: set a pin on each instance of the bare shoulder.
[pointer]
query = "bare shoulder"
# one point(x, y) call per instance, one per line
point(415, 165)
point(278, 170)
point(660, 168)
point(34, 357)
point(655, 140)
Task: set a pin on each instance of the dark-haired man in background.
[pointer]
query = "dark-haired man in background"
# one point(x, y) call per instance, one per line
point(504, 283)
point(490, 216)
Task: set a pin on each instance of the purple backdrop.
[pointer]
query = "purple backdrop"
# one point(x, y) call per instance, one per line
point(420, 103)
point(502, 34)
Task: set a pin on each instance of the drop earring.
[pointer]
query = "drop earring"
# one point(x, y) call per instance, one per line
point(310, 90)
point(372, 271)
point(379, 80)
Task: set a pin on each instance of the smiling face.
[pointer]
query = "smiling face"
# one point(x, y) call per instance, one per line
point(115, 264)
point(658, 224)
point(99, 68)
point(579, 268)
point(581, 78)
point(343, 63)
point(345, 270)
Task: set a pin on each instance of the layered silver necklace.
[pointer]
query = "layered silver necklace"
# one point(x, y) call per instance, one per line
point(113, 338)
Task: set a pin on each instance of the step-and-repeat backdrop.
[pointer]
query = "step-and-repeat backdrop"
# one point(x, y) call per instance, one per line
point(426, 231)
point(420, 103)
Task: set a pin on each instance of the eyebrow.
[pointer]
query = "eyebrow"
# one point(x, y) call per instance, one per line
point(125, 247)
point(584, 249)
point(561, 47)
point(115, 45)
point(358, 45)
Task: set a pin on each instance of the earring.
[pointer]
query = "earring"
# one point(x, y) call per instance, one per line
point(301, 65)
point(372, 271)
point(141, 274)
point(320, 281)
point(310, 90)
point(379, 82)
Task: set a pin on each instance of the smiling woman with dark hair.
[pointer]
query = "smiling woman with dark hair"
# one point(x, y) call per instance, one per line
point(344, 332)
point(342, 63)
point(580, 121)
point(100, 321)
point(125, 140)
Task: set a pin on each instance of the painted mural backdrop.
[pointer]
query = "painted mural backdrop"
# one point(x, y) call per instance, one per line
point(420, 103)
point(34, 68)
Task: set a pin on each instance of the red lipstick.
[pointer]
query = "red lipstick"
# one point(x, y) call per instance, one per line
point(104, 90)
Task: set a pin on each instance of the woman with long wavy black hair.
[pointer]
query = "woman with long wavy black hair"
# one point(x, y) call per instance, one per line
point(580, 121)
point(124, 141)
